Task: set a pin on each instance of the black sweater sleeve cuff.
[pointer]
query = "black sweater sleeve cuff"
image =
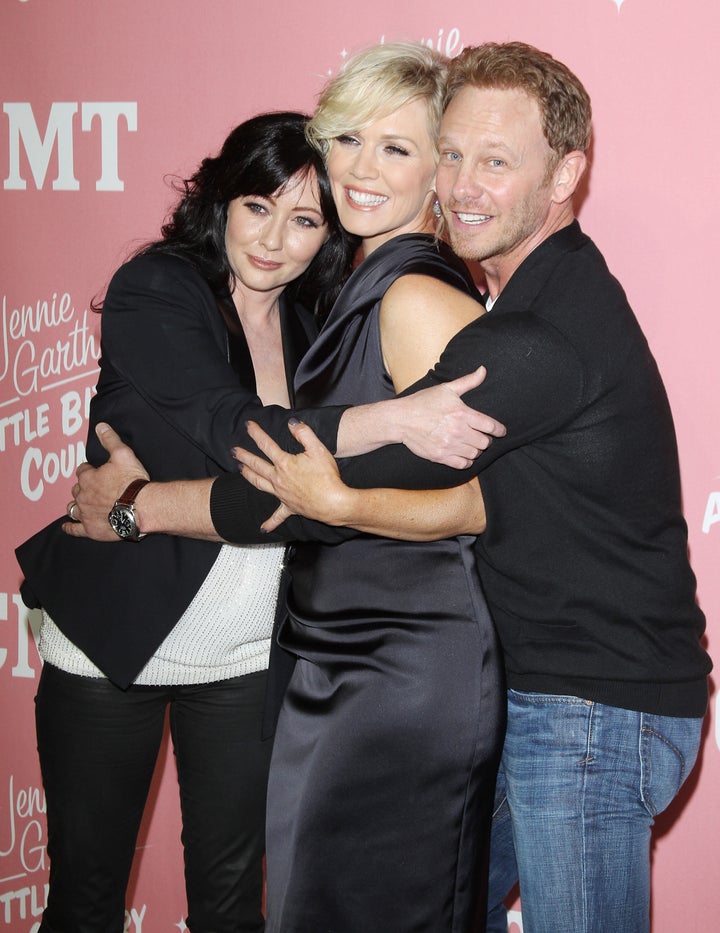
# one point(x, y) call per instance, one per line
point(325, 422)
point(238, 509)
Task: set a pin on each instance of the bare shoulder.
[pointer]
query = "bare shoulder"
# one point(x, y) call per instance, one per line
point(419, 315)
point(420, 295)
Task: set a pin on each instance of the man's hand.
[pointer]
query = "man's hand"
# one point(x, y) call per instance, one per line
point(438, 426)
point(97, 488)
point(307, 484)
point(434, 424)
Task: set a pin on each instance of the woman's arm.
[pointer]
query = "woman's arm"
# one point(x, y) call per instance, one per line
point(418, 316)
point(165, 346)
point(309, 484)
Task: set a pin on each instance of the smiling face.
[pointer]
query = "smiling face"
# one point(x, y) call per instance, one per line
point(382, 177)
point(497, 195)
point(270, 241)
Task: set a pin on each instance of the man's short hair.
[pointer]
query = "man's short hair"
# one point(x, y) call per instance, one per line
point(565, 110)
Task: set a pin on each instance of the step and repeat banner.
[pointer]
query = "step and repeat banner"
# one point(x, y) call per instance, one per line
point(105, 102)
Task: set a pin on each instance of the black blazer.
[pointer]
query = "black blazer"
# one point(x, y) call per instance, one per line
point(177, 383)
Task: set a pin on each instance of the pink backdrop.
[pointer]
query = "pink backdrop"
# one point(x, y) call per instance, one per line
point(101, 101)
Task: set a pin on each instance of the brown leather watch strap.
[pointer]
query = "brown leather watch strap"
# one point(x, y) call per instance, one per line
point(130, 494)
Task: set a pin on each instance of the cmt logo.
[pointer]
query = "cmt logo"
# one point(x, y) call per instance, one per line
point(60, 130)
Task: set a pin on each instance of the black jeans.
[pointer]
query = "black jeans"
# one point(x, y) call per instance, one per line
point(98, 746)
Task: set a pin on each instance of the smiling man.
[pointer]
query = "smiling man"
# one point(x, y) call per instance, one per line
point(584, 560)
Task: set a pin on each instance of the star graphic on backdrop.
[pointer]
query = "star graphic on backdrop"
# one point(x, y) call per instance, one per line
point(618, 3)
point(343, 55)
point(181, 926)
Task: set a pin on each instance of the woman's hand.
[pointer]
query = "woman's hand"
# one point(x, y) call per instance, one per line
point(306, 484)
point(98, 488)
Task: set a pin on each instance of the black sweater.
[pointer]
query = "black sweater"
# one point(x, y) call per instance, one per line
point(584, 560)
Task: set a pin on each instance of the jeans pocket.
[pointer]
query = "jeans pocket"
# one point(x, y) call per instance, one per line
point(668, 749)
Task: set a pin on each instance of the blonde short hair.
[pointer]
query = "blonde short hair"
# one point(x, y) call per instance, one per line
point(375, 83)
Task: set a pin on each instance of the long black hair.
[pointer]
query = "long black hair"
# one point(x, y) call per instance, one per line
point(259, 157)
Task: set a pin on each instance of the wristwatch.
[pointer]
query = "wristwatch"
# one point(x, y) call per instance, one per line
point(122, 514)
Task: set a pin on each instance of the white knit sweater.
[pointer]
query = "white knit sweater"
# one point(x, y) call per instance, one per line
point(225, 631)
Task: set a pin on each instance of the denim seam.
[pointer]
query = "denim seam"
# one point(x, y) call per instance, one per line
point(585, 763)
point(646, 765)
point(550, 699)
point(669, 745)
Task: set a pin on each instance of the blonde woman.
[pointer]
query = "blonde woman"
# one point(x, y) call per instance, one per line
point(385, 755)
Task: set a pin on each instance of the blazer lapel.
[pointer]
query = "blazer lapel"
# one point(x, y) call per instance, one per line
point(298, 332)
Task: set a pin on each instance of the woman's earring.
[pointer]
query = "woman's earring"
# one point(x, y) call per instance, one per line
point(436, 208)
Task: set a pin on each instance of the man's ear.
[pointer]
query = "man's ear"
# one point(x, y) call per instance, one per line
point(567, 175)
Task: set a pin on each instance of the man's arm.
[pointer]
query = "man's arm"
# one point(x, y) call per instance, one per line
point(535, 383)
point(166, 301)
point(437, 423)
point(408, 308)
point(434, 424)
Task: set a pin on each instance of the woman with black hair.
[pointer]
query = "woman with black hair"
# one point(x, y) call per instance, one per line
point(194, 327)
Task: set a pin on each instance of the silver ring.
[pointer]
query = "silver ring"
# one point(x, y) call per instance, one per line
point(71, 506)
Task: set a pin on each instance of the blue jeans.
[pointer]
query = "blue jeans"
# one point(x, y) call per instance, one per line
point(578, 788)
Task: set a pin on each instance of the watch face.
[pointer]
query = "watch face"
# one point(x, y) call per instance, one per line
point(122, 520)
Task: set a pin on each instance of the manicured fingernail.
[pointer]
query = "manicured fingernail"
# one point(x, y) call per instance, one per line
point(293, 421)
